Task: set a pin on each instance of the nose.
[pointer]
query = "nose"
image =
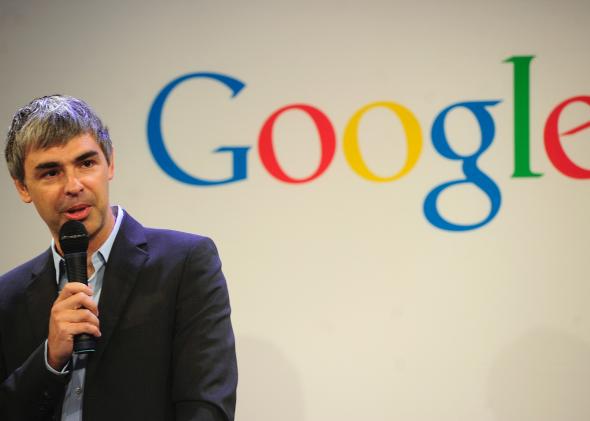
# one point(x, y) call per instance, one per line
point(73, 185)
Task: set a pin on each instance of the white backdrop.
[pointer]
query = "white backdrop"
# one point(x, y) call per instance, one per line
point(347, 303)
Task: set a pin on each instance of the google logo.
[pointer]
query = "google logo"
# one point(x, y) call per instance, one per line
point(413, 136)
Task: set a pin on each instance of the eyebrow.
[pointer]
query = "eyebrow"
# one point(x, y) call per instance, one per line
point(86, 155)
point(47, 165)
point(53, 164)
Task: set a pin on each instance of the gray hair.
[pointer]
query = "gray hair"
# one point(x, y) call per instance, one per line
point(51, 121)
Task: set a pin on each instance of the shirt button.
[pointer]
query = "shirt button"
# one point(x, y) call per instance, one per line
point(78, 391)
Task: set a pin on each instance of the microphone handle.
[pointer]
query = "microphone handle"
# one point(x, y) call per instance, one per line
point(77, 272)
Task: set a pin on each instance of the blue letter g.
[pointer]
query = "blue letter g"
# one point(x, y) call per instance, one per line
point(472, 173)
point(156, 140)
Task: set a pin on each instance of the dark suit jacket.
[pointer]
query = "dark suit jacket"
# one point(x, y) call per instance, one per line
point(167, 346)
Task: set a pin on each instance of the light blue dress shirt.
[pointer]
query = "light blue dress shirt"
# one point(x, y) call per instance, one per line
point(72, 404)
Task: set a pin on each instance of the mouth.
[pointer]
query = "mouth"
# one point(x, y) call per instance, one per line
point(78, 212)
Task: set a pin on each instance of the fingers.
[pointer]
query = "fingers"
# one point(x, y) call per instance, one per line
point(75, 305)
point(73, 312)
point(65, 324)
point(77, 328)
point(81, 315)
point(76, 295)
point(72, 288)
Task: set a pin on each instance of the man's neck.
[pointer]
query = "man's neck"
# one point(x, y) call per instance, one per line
point(98, 239)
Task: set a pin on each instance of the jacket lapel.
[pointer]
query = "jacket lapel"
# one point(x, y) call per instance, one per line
point(41, 293)
point(126, 259)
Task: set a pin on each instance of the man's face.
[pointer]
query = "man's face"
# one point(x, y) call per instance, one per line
point(70, 182)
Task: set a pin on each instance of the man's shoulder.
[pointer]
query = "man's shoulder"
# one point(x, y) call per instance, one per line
point(36, 263)
point(17, 278)
point(164, 241)
point(173, 238)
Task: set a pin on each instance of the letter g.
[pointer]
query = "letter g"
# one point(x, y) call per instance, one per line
point(470, 169)
point(156, 140)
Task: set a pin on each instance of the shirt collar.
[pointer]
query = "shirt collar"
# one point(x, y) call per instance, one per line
point(104, 251)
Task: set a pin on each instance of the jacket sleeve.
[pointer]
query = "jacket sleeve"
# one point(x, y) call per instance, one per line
point(31, 392)
point(204, 360)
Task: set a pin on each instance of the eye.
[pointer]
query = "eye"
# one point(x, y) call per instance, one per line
point(88, 163)
point(50, 174)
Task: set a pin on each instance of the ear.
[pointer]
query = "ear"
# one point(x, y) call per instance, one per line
point(23, 191)
point(111, 169)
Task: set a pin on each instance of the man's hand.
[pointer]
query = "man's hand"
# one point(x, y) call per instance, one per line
point(73, 312)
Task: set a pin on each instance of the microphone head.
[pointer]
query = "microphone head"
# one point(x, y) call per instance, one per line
point(73, 237)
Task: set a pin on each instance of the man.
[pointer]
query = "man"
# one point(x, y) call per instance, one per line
point(157, 300)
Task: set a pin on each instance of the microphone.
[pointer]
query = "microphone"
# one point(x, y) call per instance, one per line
point(73, 239)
